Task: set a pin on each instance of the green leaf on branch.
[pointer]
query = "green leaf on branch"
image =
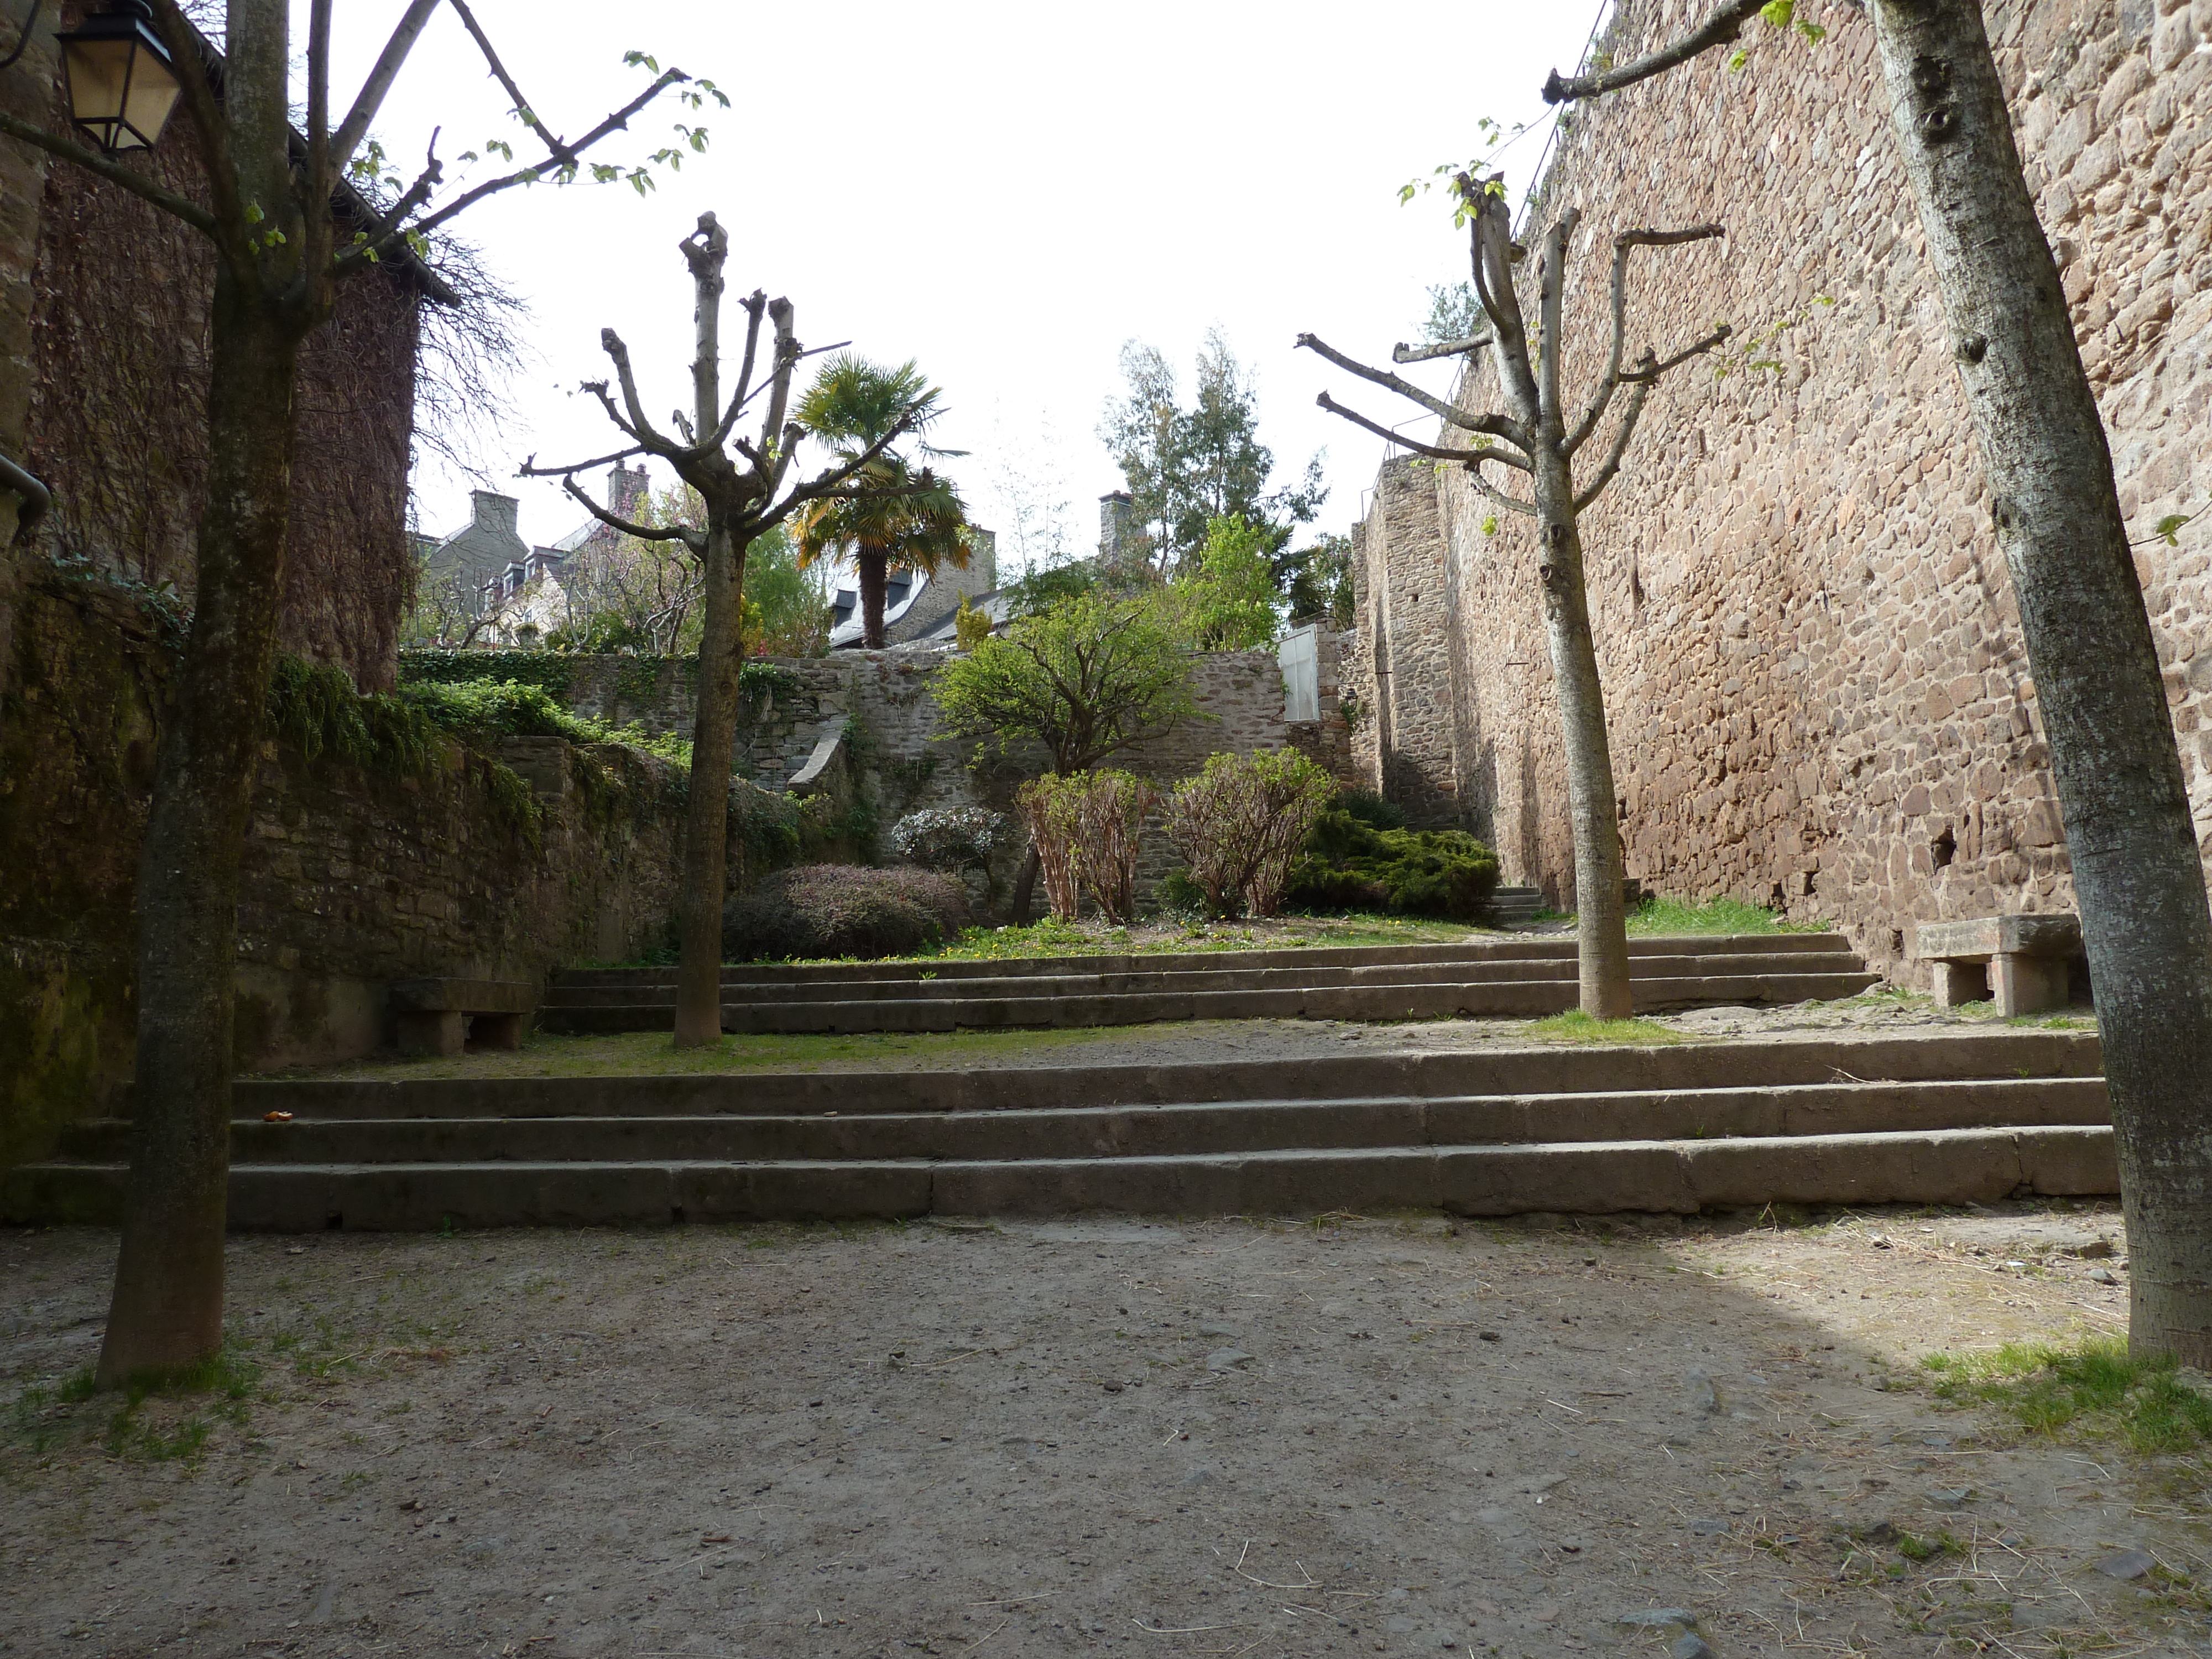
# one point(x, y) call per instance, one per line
point(632, 59)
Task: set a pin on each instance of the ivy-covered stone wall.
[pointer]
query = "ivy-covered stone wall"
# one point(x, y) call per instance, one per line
point(355, 875)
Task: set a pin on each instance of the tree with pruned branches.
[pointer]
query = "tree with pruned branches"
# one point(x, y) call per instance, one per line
point(2130, 838)
point(287, 215)
point(1540, 439)
point(744, 495)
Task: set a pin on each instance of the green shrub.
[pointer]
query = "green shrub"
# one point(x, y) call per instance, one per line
point(1350, 863)
point(842, 910)
point(1372, 810)
point(1240, 823)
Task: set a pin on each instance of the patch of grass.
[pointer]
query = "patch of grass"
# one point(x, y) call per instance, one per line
point(2094, 1388)
point(650, 1053)
point(44, 1417)
point(1576, 1026)
point(1663, 916)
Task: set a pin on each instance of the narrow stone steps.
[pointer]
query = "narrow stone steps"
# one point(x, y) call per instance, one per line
point(1535, 1071)
point(1521, 997)
point(1493, 977)
point(1159, 1130)
point(1219, 977)
point(1545, 947)
point(1939, 1117)
point(1952, 1166)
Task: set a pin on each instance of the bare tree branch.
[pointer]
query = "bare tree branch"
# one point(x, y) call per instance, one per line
point(561, 152)
point(189, 55)
point(1465, 456)
point(1497, 426)
point(695, 540)
point(92, 162)
point(1402, 353)
point(1552, 292)
point(1622, 245)
point(362, 253)
point(1646, 375)
point(530, 469)
point(1721, 25)
point(1629, 417)
point(1497, 497)
point(637, 425)
point(826, 484)
point(354, 128)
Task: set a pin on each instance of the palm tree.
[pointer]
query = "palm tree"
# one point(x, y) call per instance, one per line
point(919, 523)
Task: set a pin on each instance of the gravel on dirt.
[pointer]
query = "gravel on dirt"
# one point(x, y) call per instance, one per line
point(1135, 1437)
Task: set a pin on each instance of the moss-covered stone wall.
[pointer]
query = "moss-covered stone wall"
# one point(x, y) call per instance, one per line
point(353, 877)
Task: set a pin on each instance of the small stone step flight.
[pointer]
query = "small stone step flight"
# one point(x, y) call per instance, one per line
point(1525, 975)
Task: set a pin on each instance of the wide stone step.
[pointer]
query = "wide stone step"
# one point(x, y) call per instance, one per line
point(1681, 1176)
point(1150, 1131)
point(1548, 947)
point(1934, 1056)
point(1520, 996)
point(1224, 977)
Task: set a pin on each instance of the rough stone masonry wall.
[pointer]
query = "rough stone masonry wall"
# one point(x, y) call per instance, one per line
point(914, 764)
point(1815, 678)
point(351, 880)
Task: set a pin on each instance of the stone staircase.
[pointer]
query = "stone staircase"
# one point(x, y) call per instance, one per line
point(1525, 975)
point(1940, 1118)
point(1513, 907)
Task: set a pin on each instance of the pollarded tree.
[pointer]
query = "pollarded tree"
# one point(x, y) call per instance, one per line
point(1540, 439)
point(281, 235)
point(2130, 836)
point(744, 495)
point(909, 517)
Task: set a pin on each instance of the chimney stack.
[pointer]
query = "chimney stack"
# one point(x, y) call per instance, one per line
point(1118, 540)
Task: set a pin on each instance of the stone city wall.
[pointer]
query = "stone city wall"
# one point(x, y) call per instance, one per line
point(1817, 690)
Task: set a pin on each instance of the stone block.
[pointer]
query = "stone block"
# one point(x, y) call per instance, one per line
point(437, 1032)
point(2027, 984)
point(1959, 983)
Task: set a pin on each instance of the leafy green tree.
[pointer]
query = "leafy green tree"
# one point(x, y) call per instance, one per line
point(1229, 599)
point(1186, 467)
point(911, 518)
point(1320, 581)
point(794, 614)
point(1454, 314)
point(1089, 677)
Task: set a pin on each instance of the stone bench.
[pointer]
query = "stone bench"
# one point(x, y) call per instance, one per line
point(2024, 961)
point(444, 1016)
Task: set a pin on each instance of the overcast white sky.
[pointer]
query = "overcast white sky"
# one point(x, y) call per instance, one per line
point(1004, 193)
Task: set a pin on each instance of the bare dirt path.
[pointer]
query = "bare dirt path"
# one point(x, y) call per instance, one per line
point(1145, 1437)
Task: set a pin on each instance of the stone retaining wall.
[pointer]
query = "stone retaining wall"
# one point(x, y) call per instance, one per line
point(1816, 687)
point(351, 879)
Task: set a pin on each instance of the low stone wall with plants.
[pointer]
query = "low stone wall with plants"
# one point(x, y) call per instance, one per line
point(896, 757)
point(476, 834)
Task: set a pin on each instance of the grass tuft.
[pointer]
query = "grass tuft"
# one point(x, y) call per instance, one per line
point(1576, 1026)
point(2095, 1387)
point(1658, 917)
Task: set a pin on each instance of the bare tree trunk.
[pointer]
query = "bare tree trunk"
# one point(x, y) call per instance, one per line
point(875, 577)
point(2129, 833)
point(167, 1311)
point(1601, 919)
point(706, 831)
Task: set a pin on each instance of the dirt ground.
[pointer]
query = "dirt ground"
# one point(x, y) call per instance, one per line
point(1227, 1438)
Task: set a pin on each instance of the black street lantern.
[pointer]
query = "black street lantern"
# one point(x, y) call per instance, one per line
point(122, 80)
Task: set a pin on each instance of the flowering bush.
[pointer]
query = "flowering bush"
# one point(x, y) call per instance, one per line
point(1239, 824)
point(951, 838)
point(842, 910)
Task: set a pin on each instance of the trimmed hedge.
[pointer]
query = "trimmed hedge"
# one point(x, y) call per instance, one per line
point(842, 910)
point(1347, 863)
